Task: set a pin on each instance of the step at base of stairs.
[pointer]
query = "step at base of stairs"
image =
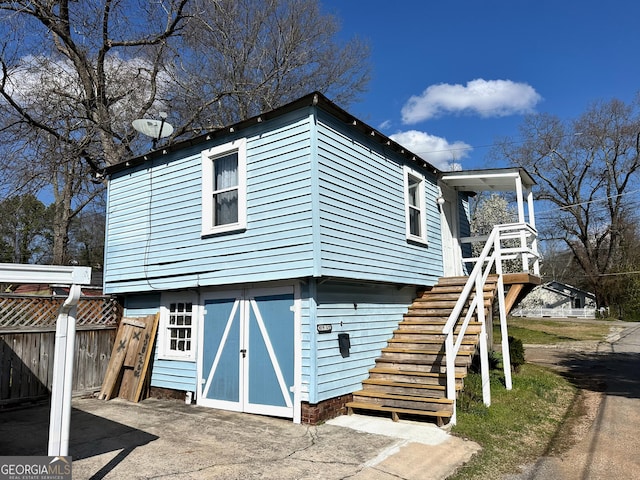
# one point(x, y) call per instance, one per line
point(441, 417)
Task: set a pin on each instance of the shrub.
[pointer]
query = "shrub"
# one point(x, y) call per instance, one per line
point(516, 352)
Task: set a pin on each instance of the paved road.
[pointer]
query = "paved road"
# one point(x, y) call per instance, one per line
point(611, 447)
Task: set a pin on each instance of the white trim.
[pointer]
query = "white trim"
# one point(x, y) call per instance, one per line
point(51, 274)
point(406, 173)
point(164, 353)
point(207, 158)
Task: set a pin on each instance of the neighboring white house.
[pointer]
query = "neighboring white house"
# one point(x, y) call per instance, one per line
point(556, 299)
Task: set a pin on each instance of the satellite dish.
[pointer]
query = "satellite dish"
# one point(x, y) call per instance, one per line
point(155, 129)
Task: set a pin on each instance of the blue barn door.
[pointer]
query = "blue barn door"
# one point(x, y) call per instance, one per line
point(247, 360)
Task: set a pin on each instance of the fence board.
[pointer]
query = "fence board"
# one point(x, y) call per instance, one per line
point(27, 342)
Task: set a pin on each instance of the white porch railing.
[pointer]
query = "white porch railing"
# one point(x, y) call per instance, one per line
point(490, 260)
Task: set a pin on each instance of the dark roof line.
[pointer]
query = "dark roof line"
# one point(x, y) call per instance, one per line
point(312, 99)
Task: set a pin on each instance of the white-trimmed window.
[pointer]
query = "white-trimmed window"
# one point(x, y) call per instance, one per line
point(414, 204)
point(224, 190)
point(177, 330)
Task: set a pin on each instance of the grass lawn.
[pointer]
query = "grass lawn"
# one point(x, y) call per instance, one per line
point(526, 422)
point(545, 332)
point(519, 425)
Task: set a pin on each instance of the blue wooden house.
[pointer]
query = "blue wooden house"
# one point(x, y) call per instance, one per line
point(283, 252)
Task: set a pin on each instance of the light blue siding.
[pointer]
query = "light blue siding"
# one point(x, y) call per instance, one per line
point(322, 200)
point(362, 212)
point(154, 212)
point(177, 375)
point(368, 313)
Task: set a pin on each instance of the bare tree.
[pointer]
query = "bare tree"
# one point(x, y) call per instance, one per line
point(22, 229)
point(586, 171)
point(75, 74)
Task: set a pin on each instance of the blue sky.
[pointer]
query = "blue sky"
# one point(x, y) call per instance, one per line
point(460, 74)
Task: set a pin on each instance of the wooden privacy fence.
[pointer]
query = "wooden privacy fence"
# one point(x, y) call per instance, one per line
point(27, 337)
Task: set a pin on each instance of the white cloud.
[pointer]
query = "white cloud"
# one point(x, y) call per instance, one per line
point(487, 98)
point(435, 150)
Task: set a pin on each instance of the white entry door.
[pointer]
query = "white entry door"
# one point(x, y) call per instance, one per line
point(247, 360)
point(451, 253)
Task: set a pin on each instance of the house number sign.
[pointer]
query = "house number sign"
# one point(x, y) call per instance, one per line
point(324, 328)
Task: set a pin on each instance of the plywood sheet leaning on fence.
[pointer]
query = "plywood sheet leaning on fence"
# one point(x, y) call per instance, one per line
point(129, 364)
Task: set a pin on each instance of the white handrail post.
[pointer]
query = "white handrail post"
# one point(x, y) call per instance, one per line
point(62, 381)
point(504, 332)
point(484, 352)
point(451, 374)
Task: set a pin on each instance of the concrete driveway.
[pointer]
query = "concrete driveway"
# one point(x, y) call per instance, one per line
point(165, 439)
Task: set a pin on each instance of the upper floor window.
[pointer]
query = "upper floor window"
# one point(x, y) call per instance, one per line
point(415, 212)
point(224, 188)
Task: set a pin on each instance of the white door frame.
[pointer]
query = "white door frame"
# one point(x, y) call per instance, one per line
point(244, 300)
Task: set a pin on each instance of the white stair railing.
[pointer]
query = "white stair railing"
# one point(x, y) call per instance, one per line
point(491, 258)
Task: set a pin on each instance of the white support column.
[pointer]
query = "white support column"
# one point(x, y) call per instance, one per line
point(521, 219)
point(532, 222)
point(62, 384)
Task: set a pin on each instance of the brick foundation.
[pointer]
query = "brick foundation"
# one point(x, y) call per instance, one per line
point(311, 414)
point(325, 410)
point(167, 393)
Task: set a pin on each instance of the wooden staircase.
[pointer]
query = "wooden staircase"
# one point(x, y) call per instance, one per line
point(410, 375)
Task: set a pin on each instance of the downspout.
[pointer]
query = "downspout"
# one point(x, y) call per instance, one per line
point(62, 383)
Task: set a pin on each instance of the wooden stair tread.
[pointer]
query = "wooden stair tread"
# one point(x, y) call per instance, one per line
point(421, 362)
point(408, 411)
point(411, 398)
point(391, 383)
point(410, 318)
point(462, 279)
point(424, 352)
point(488, 287)
point(427, 341)
point(392, 371)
